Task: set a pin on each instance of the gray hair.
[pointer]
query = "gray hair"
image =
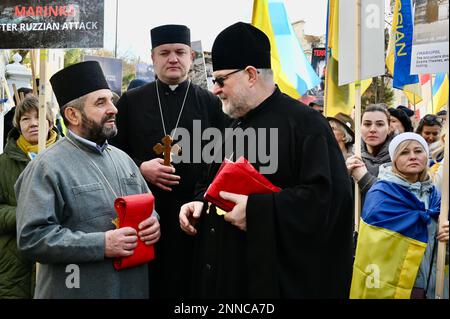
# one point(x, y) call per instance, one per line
point(78, 104)
point(266, 74)
point(347, 137)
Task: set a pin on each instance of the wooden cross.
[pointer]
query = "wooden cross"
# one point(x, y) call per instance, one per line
point(167, 149)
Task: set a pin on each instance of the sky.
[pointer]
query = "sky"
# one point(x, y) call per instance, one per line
point(205, 18)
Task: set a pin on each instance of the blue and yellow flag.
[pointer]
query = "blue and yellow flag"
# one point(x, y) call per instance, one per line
point(398, 58)
point(292, 72)
point(392, 240)
point(440, 92)
point(338, 98)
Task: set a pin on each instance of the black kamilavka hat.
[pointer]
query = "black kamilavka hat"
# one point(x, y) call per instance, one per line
point(78, 80)
point(170, 33)
point(239, 46)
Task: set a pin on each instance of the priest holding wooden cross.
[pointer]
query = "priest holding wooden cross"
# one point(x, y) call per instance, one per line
point(149, 119)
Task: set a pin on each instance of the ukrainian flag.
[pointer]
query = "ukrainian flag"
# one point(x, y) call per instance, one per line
point(392, 240)
point(440, 91)
point(398, 58)
point(292, 71)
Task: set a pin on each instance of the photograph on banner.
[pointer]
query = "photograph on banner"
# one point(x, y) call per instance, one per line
point(430, 39)
point(145, 72)
point(197, 73)
point(112, 68)
point(318, 61)
point(30, 24)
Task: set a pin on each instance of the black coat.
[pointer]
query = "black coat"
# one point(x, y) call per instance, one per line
point(139, 129)
point(298, 242)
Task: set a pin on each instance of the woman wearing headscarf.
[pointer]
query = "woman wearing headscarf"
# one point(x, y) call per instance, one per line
point(405, 203)
point(16, 272)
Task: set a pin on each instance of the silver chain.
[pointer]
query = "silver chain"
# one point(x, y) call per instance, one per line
point(181, 111)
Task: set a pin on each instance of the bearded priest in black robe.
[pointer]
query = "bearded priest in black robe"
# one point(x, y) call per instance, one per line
point(295, 243)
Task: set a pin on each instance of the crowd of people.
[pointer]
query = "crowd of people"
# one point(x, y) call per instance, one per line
point(57, 207)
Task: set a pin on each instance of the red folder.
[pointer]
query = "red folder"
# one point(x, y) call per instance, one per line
point(238, 177)
point(131, 211)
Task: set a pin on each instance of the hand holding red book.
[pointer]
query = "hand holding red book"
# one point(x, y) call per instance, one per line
point(238, 177)
point(131, 211)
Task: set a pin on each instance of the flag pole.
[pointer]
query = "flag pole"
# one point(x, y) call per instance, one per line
point(42, 109)
point(357, 119)
point(117, 23)
point(440, 265)
point(16, 94)
point(33, 71)
point(431, 90)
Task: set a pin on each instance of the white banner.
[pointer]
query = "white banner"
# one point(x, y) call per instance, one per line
point(430, 40)
point(371, 40)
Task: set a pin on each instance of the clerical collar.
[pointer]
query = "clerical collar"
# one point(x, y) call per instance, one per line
point(88, 143)
point(180, 87)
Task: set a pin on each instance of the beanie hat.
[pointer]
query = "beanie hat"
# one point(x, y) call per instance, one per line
point(400, 115)
point(408, 111)
point(396, 141)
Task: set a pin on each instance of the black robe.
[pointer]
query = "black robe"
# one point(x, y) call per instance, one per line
point(298, 242)
point(139, 129)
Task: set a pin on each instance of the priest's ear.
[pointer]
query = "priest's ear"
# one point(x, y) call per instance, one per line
point(72, 116)
point(252, 74)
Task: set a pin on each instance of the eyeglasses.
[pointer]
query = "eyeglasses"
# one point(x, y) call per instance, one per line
point(221, 79)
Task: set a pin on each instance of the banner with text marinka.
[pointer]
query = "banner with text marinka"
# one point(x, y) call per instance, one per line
point(33, 24)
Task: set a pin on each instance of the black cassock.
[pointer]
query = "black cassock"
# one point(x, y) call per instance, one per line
point(298, 242)
point(139, 129)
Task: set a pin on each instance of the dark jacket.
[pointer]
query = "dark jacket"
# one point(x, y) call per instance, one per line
point(373, 164)
point(16, 272)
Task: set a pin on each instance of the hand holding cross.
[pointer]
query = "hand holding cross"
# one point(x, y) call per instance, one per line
point(167, 149)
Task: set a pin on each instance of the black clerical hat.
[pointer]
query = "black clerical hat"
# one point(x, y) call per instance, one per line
point(170, 33)
point(239, 46)
point(78, 80)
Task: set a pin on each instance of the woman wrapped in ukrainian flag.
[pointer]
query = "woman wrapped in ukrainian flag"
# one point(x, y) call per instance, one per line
point(397, 246)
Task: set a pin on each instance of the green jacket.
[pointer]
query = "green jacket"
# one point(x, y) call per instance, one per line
point(16, 272)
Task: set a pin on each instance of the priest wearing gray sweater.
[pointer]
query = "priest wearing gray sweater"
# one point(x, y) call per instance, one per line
point(66, 199)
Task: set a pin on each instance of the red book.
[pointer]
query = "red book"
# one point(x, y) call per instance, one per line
point(131, 211)
point(238, 177)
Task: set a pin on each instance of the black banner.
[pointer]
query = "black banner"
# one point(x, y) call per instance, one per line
point(33, 24)
point(112, 69)
point(318, 60)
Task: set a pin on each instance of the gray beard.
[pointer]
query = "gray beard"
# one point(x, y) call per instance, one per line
point(95, 132)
